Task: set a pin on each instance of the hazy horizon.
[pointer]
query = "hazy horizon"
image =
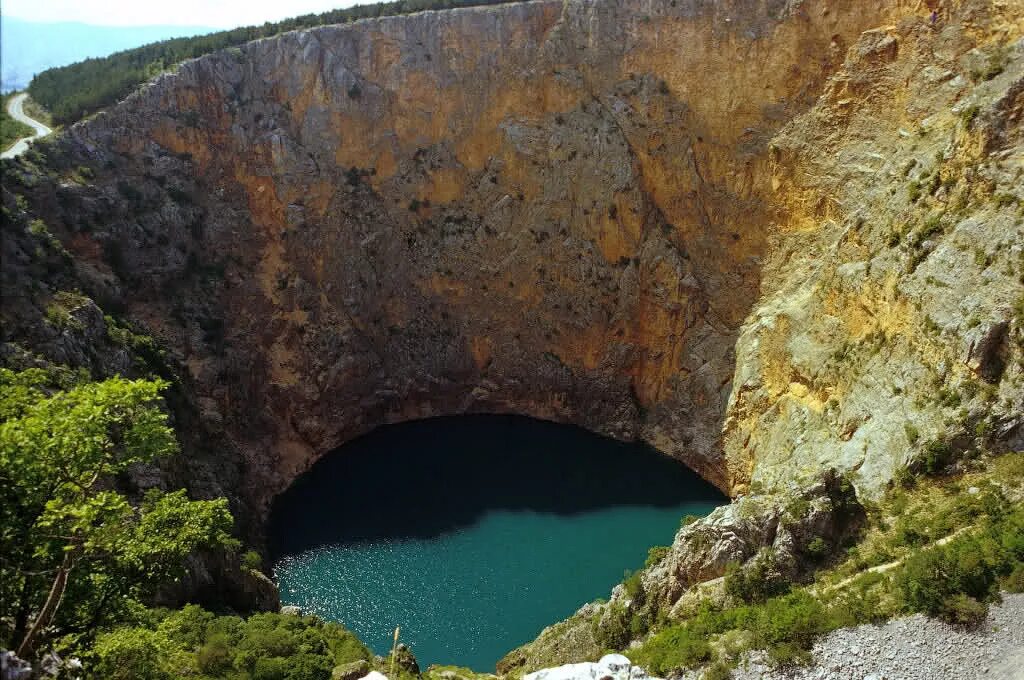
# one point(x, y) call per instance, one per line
point(183, 14)
point(29, 47)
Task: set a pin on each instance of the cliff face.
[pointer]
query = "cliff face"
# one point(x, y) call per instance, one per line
point(890, 322)
point(667, 221)
point(553, 209)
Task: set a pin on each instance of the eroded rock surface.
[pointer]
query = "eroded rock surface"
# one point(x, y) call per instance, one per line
point(769, 238)
point(555, 209)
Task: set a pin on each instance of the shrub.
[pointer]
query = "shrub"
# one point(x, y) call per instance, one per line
point(964, 610)
point(655, 555)
point(929, 581)
point(214, 658)
point(631, 581)
point(717, 671)
point(756, 582)
point(131, 653)
point(914, 191)
point(252, 560)
point(687, 520)
point(817, 548)
point(937, 455)
point(673, 648)
point(786, 654)
point(795, 619)
point(612, 631)
point(1014, 582)
point(912, 432)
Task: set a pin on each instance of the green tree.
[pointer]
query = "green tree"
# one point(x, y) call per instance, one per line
point(71, 541)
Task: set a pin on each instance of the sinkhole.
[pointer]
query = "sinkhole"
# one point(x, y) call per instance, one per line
point(473, 533)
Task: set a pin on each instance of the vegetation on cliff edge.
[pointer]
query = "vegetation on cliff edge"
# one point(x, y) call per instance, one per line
point(72, 92)
point(79, 555)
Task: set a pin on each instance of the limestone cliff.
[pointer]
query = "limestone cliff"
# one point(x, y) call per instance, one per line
point(768, 237)
point(888, 332)
point(557, 209)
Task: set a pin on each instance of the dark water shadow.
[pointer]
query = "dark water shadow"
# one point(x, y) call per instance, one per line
point(424, 478)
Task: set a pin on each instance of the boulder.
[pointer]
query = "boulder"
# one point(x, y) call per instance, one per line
point(351, 671)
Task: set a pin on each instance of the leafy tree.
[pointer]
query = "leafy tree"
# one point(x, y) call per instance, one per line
point(72, 542)
point(192, 641)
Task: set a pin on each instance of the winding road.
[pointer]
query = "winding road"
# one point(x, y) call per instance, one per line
point(16, 108)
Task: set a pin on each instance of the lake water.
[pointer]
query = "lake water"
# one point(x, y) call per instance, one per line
point(473, 532)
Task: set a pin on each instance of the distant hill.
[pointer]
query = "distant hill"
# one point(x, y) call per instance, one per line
point(30, 47)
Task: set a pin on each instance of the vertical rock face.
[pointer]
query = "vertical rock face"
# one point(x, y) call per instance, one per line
point(638, 216)
point(890, 320)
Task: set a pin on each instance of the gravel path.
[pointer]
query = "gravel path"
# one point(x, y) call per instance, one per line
point(915, 648)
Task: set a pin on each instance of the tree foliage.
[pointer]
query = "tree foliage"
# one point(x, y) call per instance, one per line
point(193, 642)
point(72, 92)
point(71, 540)
point(955, 581)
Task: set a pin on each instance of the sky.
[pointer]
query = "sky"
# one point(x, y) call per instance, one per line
point(216, 13)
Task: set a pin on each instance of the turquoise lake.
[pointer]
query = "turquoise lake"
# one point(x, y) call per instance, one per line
point(473, 533)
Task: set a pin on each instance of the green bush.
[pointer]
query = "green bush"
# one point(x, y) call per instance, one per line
point(1014, 582)
point(793, 619)
point(936, 455)
point(671, 649)
point(786, 654)
point(132, 653)
point(266, 646)
point(634, 586)
point(816, 549)
point(717, 671)
point(964, 610)
point(912, 432)
point(935, 581)
point(756, 582)
point(655, 555)
point(214, 658)
point(252, 560)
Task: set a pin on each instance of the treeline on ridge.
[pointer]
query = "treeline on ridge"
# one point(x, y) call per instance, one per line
point(72, 92)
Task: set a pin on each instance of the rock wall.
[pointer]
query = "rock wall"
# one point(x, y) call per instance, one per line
point(890, 326)
point(686, 222)
point(890, 323)
point(555, 209)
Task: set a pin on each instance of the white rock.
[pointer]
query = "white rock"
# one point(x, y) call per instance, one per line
point(615, 666)
point(374, 675)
